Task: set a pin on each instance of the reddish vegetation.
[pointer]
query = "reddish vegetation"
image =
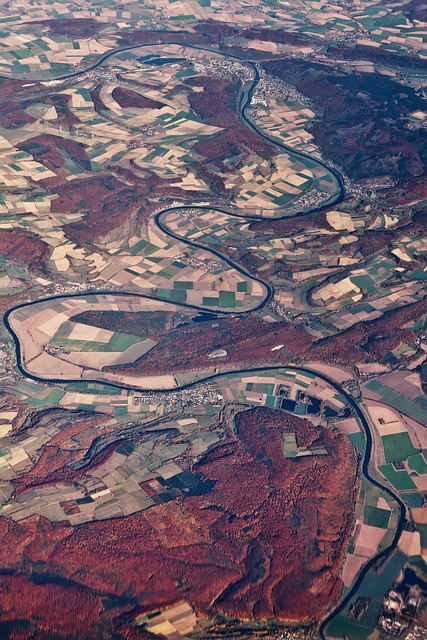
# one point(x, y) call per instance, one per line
point(48, 150)
point(12, 113)
point(217, 104)
point(373, 242)
point(409, 192)
point(215, 31)
point(369, 243)
point(61, 103)
point(371, 341)
point(273, 228)
point(64, 449)
point(108, 201)
point(375, 54)
point(250, 340)
point(60, 608)
point(151, 324)
point(309, 506)
point(24, 247)
point(364, 123)
point(247, 340)
point(6, 302)
point(209, 32)
point(126, 98)
point(98, 103)
point(80, 27)
point(416, 10)
point(32, 611)
point(267, 541)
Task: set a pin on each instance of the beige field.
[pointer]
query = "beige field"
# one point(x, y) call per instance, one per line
point(93, 334)
point(419, 515)
point(348, 426)
point(386, 420)
point(351, 568)
point(368, 539)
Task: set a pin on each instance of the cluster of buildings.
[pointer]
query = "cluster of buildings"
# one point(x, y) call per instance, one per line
point(148, 129)
point(204, 265)
point(416, 633)
point(158, 20)
point(399, 611)
point(104, 74)
point(279, 310)
point(311, 198)
point(7, 363)
point(270, 87)
point(203, 394)
point(223, 68)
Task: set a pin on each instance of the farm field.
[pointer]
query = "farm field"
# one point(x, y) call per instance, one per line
point(131, 469)
point(213, 355)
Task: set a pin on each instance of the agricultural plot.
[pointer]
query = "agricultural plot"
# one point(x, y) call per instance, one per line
point(285, 118)
point(172, 623)
point(373, 290)
point(400, 480)
point(301, 393)
point(411, 407)
point(180, 273)
point(112, 133)
point(112, 177)
point(398, 447)
point(292, 450)
point(360, 283)
point(374, 587)
point(256, 186)
point(23, 54)
point(303, 250)
point(38, 50)
point(373, 529)
point(129, 480)
point(401, 460)
point(360, 308)
point(124, 485)
point(53, 344)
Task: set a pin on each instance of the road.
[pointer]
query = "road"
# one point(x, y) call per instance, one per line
point(245, 100)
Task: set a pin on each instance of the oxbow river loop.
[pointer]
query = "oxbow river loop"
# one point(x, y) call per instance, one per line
point(335, 198)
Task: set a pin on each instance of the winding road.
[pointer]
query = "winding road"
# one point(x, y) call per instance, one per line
point(244, 102)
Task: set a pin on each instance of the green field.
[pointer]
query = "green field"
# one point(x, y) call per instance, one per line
point(399, 402)
point(417, 463)
point(376, 517)
point(119, 342)
point(374, 587)
point(422, 528)
point(398, 447)
point(413, 499)
point(399, 479)
point(358, 439)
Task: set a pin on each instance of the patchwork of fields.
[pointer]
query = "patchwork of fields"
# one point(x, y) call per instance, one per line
point(212, 274)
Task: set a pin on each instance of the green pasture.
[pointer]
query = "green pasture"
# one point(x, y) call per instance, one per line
point(417, 463)
point(398, 447)
point(399, 479)
point(376, 517)
point(119, 342)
